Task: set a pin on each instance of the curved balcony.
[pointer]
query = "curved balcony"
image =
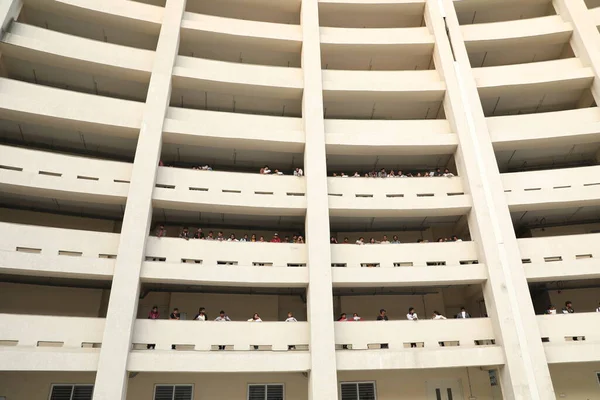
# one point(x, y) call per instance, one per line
point(371, 14)
point(510, 34)
point(229, 192)
point(540, 76)
point(240, 40)
point(138, 16)
point(233, 130)
point(352, 137)
point(395, 37)
point(54, 252)
point(64, 108)
point(559, 258)
point(560, 128)
point(238, 79)
point(34, 44)
point(39, 173)
point(461, 339)
point(47, 343)
point(199, 338)
point(560, 330)
point(225, 263)
point(397, 197)
point(408, 264)
point(382, 85)
point(551, 189)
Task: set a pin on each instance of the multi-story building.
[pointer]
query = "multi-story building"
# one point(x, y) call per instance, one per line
point(107, 108)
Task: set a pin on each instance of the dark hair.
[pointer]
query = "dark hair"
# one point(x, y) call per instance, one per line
point(153, 307)
point(176, 309)
point(382, 310)
point(221, 312)
point(411, 309)
point(436, 312)
point(567, 302)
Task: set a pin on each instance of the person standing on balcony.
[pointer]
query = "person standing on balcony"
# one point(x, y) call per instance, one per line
point(342, 317)
point(437, 315)
point(463, 314)
point(276, 238)
point(220, 236)
point(153, 314)
point(161, 231)
point(568, 309)
point(222, 318)
point(412, 316)
point(382, 315)
point(598, 309)
point(185, 234)
point(355, 317)
point(298, 172)
point(201, 316)
point(199, 234)
point(551, 310)
point(290, 317)
point(255, 318)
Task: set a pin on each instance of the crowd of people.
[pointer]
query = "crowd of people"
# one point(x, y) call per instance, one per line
point(395, 240)
point(267, 171)
point(220, 237)
point(383, 173)
point(411, 315)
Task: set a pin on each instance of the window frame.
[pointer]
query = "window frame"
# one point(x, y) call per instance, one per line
point(598, 377)
point(374, 383)
point(174, 385)
point(72, 390)
point(264, 384)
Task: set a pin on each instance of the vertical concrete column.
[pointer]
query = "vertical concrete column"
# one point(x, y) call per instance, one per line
point(585, 40)
point(9, 10)
point(525, 375)
point(111, 378)
point(323, 374)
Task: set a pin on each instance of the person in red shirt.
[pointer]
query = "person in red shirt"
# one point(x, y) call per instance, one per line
point(276, 238)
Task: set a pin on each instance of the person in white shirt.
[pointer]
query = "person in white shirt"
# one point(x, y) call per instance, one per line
point(412, 316)
point(343, 175)
point(356, 175)
point(355, 317)
point(298, 172)
point(437, 315)
point(265, 170)
point(290, 318)
point(385, 240)
point(277, 172)
point(361, 240)
point(598, 309)
point(447, 173)
point(232, 238)
point(463, 314)
point(255, 318)
point(201, 316)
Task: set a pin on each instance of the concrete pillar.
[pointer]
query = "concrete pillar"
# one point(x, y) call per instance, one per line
point(111, 378)
point(323, 374)
point(585, 40)
point(525, 375)
point(9, 11)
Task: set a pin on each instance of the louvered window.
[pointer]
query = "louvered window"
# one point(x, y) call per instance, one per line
point(358, 391)
point(173, 392)
point(71, 392)
point(265, 392)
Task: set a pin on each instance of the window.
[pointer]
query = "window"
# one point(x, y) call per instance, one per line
point(173, 392)
point(358, 391)
point(71, 392)
point(265, 392)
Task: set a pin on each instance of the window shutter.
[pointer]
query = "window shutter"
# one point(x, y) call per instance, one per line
point(366, 391)
point(349, 391)
point(61, 392)
point(83, 392)
point(274, 392)
point(257, 392)
point(183, 392)
point(163, 392)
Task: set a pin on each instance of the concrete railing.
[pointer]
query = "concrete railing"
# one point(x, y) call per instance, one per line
point(581, 327)
point(403, 255)
point(551, 188)
point(212, 252)
point(56, 241)
point(229, 191)
point(49, 331)
point(397, 335)
point(359, 36)
point(209, 335)
point(58, 175)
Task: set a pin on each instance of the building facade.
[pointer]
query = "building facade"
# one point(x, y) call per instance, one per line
point(308, 172)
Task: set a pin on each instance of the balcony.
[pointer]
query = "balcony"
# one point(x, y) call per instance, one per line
point(354, 137)
point(46, 174)
point(560, 128)
point(552, 189)
point(45, 343)
point(67, 109)
point(466, 343)
point(54, 252)
point(197, 345)
point(225, 263)
point(570, 337)
point(227, 192)
point(397, 197)
point(409, 264)
point(559, 258)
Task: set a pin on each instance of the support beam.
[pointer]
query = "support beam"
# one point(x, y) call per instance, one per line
point(111, 379)
point(323, 374)
point(9, 11)
point(525, 375)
